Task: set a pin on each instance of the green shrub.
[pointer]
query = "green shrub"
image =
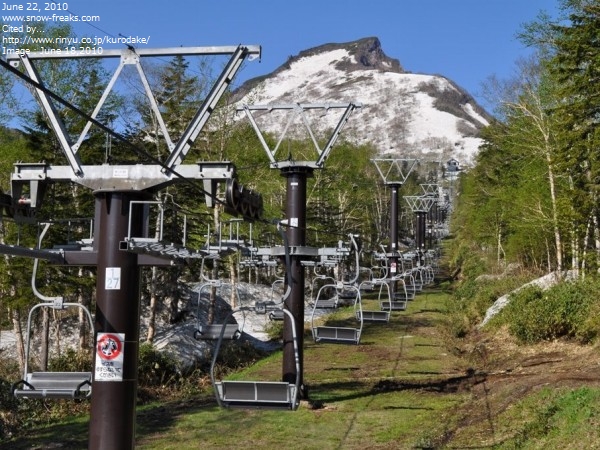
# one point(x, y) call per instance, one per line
point(274, 329)
point(472, 298)
point(71, 361)
point(156, 368)
point(569, 310)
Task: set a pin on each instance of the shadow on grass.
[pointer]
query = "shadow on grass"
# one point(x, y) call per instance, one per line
point(351, 390)
point(74, 435)
point(64, 436)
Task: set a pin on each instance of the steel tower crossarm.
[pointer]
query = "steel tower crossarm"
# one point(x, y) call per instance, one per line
point(298, 110)
point(131, 56)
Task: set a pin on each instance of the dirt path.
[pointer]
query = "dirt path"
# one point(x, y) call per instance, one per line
point(505, 373)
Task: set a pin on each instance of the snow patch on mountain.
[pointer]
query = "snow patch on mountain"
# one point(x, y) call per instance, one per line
point(402, 115)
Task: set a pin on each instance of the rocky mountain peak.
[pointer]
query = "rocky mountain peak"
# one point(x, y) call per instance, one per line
point(365, 54)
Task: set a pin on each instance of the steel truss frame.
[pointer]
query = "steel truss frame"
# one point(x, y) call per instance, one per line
point(299, 110)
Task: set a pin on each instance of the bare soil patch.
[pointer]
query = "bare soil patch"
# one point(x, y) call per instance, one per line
point(504, 373)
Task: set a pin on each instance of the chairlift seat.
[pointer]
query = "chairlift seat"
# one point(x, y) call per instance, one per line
point(327, 303)
point(213, 331)
point(394, 305)
point(375, 316)
point(70, 385)
point(257, 394)
point(367, 286)
point(343, 335)
point(403, 296)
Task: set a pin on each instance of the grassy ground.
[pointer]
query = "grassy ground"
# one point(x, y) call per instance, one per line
point(396, 389)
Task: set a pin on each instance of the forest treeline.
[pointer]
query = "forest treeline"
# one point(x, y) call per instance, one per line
point(532, 196)
point(529, 206)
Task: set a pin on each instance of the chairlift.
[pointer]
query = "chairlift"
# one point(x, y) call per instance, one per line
point(403, 291)
point(45, 384)
point(329, 298)
point(213, 331)
point(260, 394)
point(340, 334)
point(276, 314)
point(378, 278)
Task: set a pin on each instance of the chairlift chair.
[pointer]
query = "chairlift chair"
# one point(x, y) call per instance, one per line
point(45, 384)
point(213, 331)
point(329, 299)
point(260, 394)
point(276, 314)
point(257, 394)
point(340, 334)
point(377, 278)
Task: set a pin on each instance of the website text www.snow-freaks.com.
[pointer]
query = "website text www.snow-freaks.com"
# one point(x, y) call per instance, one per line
point(50, 18)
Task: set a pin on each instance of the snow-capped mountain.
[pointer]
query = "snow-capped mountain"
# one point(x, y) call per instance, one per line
point(403, 114)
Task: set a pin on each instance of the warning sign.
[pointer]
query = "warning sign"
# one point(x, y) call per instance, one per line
point(109, 357)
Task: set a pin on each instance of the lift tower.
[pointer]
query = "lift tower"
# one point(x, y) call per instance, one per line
point(420, 205)
point(120, 227)
point(394, 173)
point(297, 174)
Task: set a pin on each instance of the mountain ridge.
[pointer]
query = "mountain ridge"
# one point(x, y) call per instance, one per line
point(403, 114)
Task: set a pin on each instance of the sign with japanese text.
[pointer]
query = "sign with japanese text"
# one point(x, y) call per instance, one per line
point(109, 357)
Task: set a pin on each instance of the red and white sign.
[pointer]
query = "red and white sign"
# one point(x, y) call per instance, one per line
point(109, 357)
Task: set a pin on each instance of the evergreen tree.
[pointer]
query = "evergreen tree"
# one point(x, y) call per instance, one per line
point(576, 68)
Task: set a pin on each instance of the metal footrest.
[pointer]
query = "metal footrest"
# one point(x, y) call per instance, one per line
point(54, 385)
point(336, 335)
point(257, 394)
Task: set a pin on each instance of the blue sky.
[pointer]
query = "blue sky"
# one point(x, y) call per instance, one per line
point(464, 40)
